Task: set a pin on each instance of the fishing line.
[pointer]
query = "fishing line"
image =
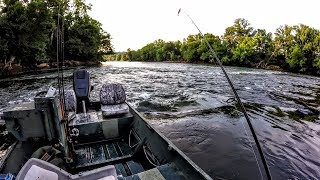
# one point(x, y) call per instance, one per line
point(264, 162)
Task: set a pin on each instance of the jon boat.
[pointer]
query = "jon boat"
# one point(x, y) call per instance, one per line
point(71, 137)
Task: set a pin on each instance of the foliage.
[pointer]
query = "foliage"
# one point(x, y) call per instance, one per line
point(29, 36)
point(299, 47)
point(292, 48)
point(29, 32)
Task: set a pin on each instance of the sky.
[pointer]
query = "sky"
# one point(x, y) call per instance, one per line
point(135, 23)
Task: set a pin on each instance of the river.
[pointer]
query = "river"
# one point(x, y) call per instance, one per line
point(192, 105)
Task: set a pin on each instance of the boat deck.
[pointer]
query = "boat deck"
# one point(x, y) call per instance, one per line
point(90, 155)
point(119, 154)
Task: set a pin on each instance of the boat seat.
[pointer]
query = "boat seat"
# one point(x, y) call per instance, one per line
point(110, 110)
point(42, 170)
point(81, 84)
point(82, 88)
point(70, 101)
point(112, 98)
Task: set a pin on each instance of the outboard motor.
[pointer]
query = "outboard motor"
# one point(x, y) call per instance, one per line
point(82, 88)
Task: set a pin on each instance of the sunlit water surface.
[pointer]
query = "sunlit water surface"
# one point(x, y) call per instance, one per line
point(192, 105)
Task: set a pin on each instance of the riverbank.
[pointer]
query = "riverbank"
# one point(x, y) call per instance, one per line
point(17, 70)
point(270, 67)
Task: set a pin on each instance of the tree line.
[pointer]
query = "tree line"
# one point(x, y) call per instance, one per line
point(291, 48)
point(29, 32)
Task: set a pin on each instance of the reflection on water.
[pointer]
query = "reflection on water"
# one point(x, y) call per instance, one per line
point(193, 106)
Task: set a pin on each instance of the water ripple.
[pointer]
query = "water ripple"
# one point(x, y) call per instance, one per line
point(193, 106)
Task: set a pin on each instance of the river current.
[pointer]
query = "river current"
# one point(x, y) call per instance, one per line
point(194, 107)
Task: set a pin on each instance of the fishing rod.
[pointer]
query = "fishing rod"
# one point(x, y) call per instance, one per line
point(264, 162)
point(60, 55)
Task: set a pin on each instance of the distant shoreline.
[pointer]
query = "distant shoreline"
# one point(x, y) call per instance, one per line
point(273, 68)
point(17, 70)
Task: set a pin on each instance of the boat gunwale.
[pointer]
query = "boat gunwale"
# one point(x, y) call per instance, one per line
point(4, 159)
point(140, 116)
point(170, 144)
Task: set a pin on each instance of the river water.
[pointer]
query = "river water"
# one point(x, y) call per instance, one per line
point(192, 105)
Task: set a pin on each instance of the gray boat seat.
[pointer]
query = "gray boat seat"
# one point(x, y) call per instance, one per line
point(70, 104)
point(42, 170)
point(70, 101)
point(112, 98)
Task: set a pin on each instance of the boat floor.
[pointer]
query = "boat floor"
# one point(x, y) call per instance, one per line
point(102, 153)
point(119, 154)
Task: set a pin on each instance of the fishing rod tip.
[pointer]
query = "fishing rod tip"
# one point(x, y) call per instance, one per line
point(179, 11)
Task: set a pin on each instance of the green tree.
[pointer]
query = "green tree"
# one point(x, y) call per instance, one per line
point(26, 31)
point(264, 47)
point(83, 40)
point(316, 62)
point(105, 43)
point(296, 48)
point(234, 34)
point(124, 57)
point(244, 54)
point(219, 47)
point(29, 37)
point(189, 48)
point(293, 48)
